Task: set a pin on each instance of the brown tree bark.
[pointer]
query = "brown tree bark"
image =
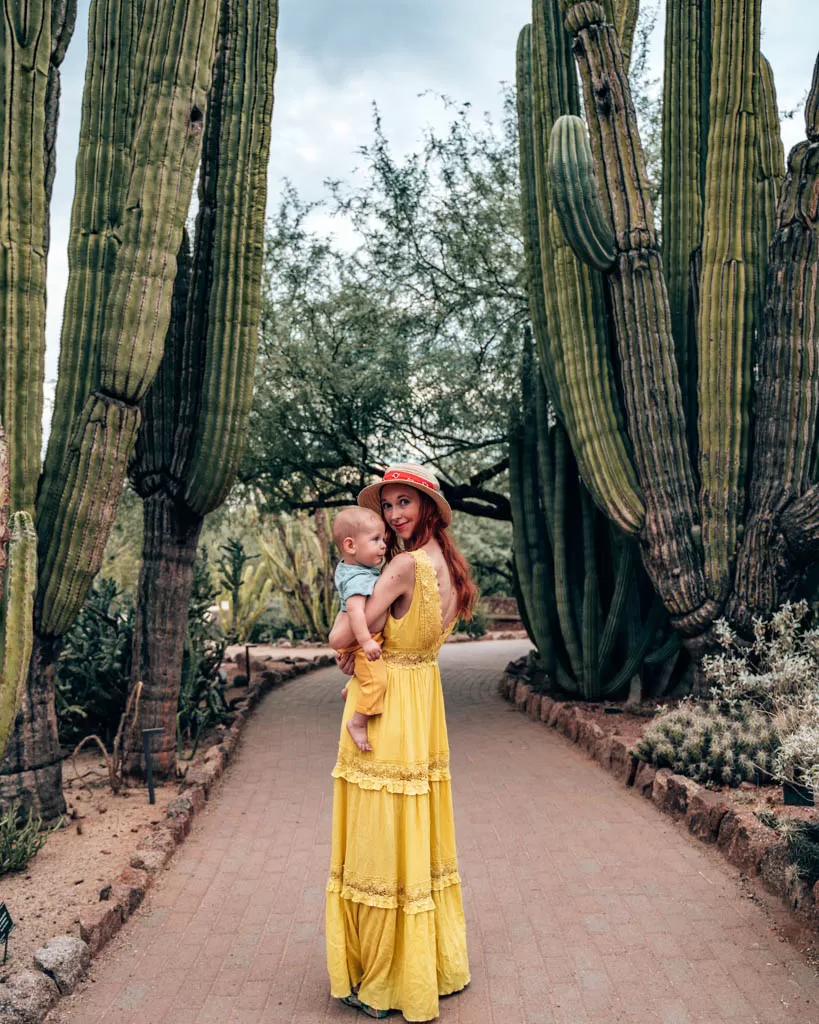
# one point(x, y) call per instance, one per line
point(31, 772)
point(171, 534)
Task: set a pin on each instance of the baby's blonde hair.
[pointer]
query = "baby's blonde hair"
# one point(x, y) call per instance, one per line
point(350, 521)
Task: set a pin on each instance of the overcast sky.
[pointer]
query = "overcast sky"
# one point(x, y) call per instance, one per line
point(335, 59)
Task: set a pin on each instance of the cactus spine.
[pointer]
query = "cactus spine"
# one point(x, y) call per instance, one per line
point(722, 170)
point(195, 415)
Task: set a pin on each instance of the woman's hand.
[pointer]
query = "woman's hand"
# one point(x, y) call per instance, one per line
point(346, 662)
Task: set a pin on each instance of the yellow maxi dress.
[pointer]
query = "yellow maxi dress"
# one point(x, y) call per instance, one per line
point(394, 922)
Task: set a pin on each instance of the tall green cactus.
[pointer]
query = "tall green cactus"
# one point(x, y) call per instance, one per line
point(195, 415)
point(18, 572)
point(147, 78)
point(710, 543)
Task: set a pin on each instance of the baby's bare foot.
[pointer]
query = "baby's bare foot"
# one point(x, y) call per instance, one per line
point(344, 692)
point(358, 731)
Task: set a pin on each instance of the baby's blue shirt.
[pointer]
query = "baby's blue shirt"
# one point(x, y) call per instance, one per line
point(355, 579)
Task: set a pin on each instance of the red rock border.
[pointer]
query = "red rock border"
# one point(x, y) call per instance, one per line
point(29, 994)
point(710, 816)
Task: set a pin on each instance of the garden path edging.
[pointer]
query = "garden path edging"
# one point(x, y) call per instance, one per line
point(28, 995)
point(710, 816)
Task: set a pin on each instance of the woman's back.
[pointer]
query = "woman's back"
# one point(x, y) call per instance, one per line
point(422, 627)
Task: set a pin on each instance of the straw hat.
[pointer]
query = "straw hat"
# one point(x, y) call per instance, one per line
point(413, 475)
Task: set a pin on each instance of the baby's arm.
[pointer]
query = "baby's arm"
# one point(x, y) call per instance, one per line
point(397, 578)
point(361, 631)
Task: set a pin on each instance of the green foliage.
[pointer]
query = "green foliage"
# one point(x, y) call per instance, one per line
point(236, 578)
point(486, 544)
point(122, 557)
point(299, 559)
point(474, 627)
point(21, 838)
point(201, 699)
point(94, 666)
point(404, 345)
point(710, 745)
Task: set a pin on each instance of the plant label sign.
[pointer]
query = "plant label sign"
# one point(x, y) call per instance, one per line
point(6, 924)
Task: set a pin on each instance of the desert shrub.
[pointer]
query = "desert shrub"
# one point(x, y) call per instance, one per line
point(474, 627)
point(710, 745)
point(21, 838)
point(94, 665)
point(777, 673)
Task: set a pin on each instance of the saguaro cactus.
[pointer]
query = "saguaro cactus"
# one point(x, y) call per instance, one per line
point(146, 86)
point(18, 572)
point(711, 544)
point(195, 415)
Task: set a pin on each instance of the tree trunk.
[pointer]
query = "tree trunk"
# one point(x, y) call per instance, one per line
point(171, 534)
point(31, 773)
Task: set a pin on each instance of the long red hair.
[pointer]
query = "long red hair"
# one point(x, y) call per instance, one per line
point(431, 526)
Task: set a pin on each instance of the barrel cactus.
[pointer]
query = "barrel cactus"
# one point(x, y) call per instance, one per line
point(717, 321)
point(195, 414)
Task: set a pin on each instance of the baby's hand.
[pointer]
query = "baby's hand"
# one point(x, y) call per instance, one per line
point(372, 650)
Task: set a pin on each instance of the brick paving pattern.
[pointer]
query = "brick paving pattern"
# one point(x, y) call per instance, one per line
point(584, 905)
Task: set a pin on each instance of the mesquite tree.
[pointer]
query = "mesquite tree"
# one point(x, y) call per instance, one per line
point(147, 79)
point(195, 415)
point(721, 322)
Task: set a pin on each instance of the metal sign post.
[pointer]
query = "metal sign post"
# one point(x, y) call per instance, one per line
point(6, 924)
point(149, 770)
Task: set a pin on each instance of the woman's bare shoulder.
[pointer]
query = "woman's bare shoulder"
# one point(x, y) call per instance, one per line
point(402, 567)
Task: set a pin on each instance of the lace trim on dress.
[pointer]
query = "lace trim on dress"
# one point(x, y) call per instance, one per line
point(390, 894)
point(408, 659)
point(394, 776)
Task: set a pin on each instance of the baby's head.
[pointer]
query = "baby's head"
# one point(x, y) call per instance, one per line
point(359, 535)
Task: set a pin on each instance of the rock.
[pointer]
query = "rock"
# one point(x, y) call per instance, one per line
point(522, 695)
point(283, 642)
point(99, 925)
point(672, 792)
point(622, 763)
point(554, 714)
point(64, 958)
point(533, 705)
point(27, 997)
point(644, 779)
point(546, 706)
point(130, 888)
point(240, 679)
point(740, 842)
point(705, 812)
point(591, 737)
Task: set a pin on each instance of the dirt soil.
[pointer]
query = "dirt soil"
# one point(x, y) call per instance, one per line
point(100, 832)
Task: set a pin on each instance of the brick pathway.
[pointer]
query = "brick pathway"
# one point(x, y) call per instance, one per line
point(584, 905)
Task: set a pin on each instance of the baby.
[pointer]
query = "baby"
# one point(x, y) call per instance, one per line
point(359, 536)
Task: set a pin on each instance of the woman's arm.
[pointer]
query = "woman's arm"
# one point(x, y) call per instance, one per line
point(397, 579)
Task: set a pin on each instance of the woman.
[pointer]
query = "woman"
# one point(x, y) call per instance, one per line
point(396, 937)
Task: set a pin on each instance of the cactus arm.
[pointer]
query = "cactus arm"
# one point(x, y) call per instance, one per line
point(578, 377)
point(684, 134)
point(771, 164)
point(642, 323)
point(575, 196)
point(529, 212)
point(783, 527)
point(119, 301)
point(624, 588)
point(728, 286)
point(563, 589)
point(592, 612)
point(229, 246)
point(25, 54)
point(643, 639)
point(17, 632)
point(544, 457)
point(625, 21)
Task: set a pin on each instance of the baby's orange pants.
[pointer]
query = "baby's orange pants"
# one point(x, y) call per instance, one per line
point(372, 679)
